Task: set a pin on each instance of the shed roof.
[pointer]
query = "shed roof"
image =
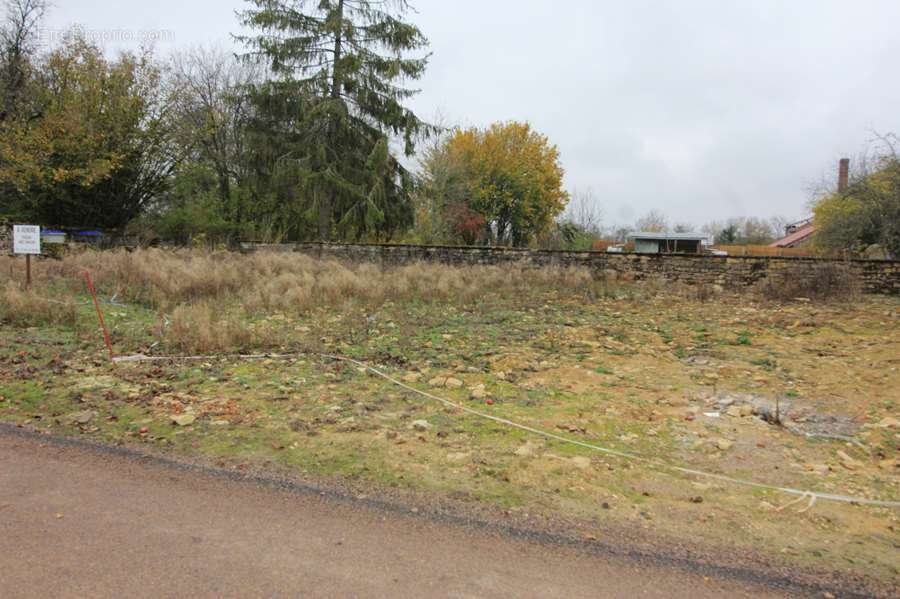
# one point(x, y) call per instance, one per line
point(667, 236)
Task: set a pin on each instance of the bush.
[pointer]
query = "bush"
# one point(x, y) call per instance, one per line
point(825, 282)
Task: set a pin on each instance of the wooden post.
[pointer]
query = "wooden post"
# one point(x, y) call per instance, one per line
point(27, 270)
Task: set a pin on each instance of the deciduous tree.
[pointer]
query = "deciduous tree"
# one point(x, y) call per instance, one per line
point(868, 213)
point(18, 42)
point(513, 180)
point(98, 148)
point(654, 222)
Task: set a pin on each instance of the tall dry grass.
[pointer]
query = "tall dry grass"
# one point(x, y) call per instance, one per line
point(30, 307)
point(203, 328)
point(207, 301)
point(163, 280)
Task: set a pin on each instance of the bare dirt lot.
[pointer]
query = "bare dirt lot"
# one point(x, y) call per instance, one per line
point(797, 394)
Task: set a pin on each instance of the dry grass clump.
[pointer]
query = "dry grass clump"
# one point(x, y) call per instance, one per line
point(333, 283)
point(825, 282)
point(26, 307)
point(201, 328)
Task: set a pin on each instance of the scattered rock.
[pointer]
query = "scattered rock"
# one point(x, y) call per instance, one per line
point(820, 469)
point(438, 381)
point(746, 410)
point(605, 505)
point(677, 401)
point(889, 423)
point(734, 412)
point(697, 499)
point(184, 419)
point(453, 383)
point(82, 417)
point(457, 456)
point(526, 450)
point(412, 377)
point(581, 462)
point(848, 462)
point(420, 425)
point(804, 323)
point(478, 392)
point(724, 444)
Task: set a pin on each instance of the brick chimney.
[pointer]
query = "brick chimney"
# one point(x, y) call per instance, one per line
point(844, 175)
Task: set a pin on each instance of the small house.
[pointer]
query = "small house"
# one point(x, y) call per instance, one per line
point(668, 243)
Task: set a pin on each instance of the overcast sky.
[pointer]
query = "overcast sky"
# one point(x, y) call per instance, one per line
point(701, 109)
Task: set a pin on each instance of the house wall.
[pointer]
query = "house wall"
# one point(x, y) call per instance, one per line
point(646, 246)
point(732, 272)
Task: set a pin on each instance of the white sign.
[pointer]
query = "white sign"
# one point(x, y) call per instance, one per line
point(26, 239)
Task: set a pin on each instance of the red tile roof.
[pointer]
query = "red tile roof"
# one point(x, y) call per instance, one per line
point(801, 234)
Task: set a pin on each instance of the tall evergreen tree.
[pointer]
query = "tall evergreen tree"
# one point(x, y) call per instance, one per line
point(342, 64)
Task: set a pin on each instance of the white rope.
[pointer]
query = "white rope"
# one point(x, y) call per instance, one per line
point(812, 495)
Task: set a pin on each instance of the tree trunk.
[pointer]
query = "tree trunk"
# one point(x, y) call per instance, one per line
point(329, 199)
point(325, 203)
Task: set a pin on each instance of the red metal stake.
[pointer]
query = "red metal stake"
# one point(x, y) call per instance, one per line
point(90, 284)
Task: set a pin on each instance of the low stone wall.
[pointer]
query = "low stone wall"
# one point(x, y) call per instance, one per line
point(730, 272)
point(5, 238)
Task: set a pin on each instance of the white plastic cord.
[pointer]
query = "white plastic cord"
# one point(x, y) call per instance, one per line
point(812, 495)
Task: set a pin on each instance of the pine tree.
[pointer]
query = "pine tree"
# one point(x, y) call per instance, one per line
point(341, 65)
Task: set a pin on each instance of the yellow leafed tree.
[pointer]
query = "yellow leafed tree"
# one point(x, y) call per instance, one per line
point(514, 180)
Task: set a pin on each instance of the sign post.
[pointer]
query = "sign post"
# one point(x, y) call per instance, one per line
point(27, 240)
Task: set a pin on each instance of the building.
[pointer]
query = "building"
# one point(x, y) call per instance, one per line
point(796, 235)
point(801, 233)
point(667, 243)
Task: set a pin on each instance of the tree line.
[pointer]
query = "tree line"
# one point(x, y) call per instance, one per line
point(305, 134)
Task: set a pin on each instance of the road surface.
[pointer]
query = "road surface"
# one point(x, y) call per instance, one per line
point(81, 522)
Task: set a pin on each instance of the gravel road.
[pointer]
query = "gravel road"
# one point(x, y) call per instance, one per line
point(78, 522)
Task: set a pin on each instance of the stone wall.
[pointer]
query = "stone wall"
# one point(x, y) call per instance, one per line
point(5, 238)
point(731, 272)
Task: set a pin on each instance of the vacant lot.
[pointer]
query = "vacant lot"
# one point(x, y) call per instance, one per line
point(799, 394)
